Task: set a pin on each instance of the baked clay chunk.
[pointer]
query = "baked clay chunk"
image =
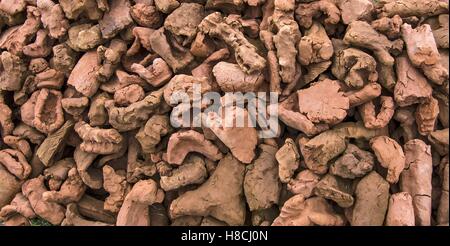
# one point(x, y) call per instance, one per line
point(400, 211)
point(416, 179)
point(83, 76)
point(135, 211)
point(307, 11)
point(192, 171)
point(240, 139)
point(6, 120)
point(442, 213)
point(423, 52)
point(84, 37)
point(407, 8)
point(440, 140)
point(184, 20)
point(52, 17)
point(129, 95)
point(91, 9)
point(115, 183)
point(411, 87)
point(390, 155)
point(157, 74)
point(375, 121)
point(371, 202)
point(352, 10)
point(261, 185)
point(239, 82)
point(315, 211)
point(73, 218)
point(183, 142)
point(109, 58)
point(150, 135)
point(354, 67)
point(97, 112)
point(318, 151)
point(354, 163)
point(221, 196)
point(19, 205)
point(388, 26)
point(57, 173)
point(288, 159)
point(116, 19)
point(136, 114)
point(15, 162)
point(33, 189)
point(71, 190)
point(366, 94)
point(177, 57)
point(166, 6)
point(286, 35)
point(12, 72)
point(315, 45)
point(206, 68)
point(304, 183)
point(361, 34)
point(426, 116)
point(19, 144)
point(146, 15)
point(336, 189)
point(246, 53)
point(98, 141)
point(9, 186)
point(323, 102)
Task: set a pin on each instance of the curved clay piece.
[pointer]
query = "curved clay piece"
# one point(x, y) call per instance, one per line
point(288, 159)
point(150, 135)
point(313, 211)
point(15, 162)
point(388, 26)
point(307, 11)
point(354, 163)
point(57, 173)
point(183, 142)
point(192, 171)
point(336, 189)
point(129, 95)
point(239, 82)
point(53, 18)
point(19, 144)
point(48, 111)
point(221, 196)
point(134, 211)
point(372, 121)
point(407, 8)
point(304, 183)
point(9, 186)
point(315, 45)
point(98, 141)
point(157, 74)
point(41, 46)
point(146, 15)
point(366, 94)
point(115, 184)
point(19, 205)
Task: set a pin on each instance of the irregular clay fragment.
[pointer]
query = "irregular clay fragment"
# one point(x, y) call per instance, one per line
point(352, 10)
point(426, 116)
point(110, 58)
point(98, 141)
point(19, 205)
point(33, 189)
point(336, 189)
point(183, 22)
point(442, 213)
point(288, 159)
point(83, 76)
point(423, 52)
point(134, 211)
point(371, 202)
point(380, 120)
point(133, 116)
point(221, 196)
point(355, 68)
point(115, 183)
point(192, 171)
point(361, 34)
point(439, 139)
point(411, 87)
point(416, 179)
point(307, 11)
point(73, 218)
point(400, 211)
point(354, 163)
point(407, 8)
point(304, 183)
point(183, 142)
point(71, 190)
point(53, 18)
point(16, 163)
point(97, 111)
point(129, 95)
point(9, 186)
point(390, 155)
point(57, 173)
point(246, 54)
point(12, 72)
point(261, 185)
point(388, 26)
point(315, 46)
point(323, 102)
point(150, 135)
point(157, 74)
point(146, 15)
point(166, 6)
point(116, 19)
point(315, 211)
point(240, 81)
point(84, 37)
